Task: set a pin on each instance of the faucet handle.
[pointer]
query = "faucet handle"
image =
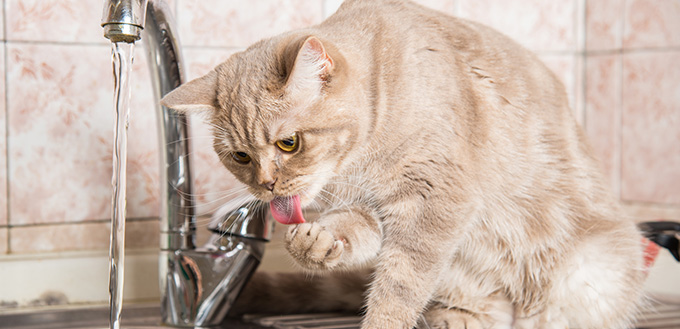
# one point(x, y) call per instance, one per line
point(250, 220)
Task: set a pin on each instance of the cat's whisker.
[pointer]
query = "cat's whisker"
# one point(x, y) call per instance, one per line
point(209, 208)
point(190, 138)
point(342, 201)
point(215, 204)
point(210, 195)
point(189, 154)
point(249, 203)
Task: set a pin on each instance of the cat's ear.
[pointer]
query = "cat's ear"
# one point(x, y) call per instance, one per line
point(312, 68)
point(194, 96)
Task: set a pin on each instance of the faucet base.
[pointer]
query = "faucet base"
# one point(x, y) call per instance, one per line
point(200, 286)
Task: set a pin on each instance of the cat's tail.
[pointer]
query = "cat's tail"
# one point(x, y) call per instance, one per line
point(285, 293)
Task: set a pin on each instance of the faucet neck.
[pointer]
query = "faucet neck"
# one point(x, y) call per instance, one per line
point(178, 224)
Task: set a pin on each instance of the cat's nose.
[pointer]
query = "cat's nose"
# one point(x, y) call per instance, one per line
point(269, 185)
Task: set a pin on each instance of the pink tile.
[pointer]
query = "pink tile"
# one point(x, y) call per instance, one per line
point(61, 137)
point(4, 243)
point(3, 144)
point(200, 61)
point(2, 22)
point(642, 212)
point(62, 237)
point(331, 6)
point(564, 67)
point(538, 25)
point(604, 24)
point(54, 20)
point(445, 6)
point(240, 23)
point(143, 158)
point(650, 165)
point(57, 20)
point(603, 112)
point(652, 23)
point(141, 234)
point(81, 236)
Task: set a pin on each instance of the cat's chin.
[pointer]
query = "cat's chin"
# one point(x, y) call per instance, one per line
point(307, 194)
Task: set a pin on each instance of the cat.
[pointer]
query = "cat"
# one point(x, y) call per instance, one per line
point(447, 164)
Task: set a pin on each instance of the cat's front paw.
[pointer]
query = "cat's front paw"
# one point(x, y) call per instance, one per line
point(313, 246)
point(451, 319)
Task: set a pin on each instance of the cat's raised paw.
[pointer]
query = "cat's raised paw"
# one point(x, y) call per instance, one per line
point(313, 246)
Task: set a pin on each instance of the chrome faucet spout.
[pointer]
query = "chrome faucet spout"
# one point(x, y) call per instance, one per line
point(198, 285)
point(123, 20)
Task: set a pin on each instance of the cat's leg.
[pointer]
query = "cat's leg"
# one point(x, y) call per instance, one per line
point(417, 249)
point(339, 239)
point(406, 275)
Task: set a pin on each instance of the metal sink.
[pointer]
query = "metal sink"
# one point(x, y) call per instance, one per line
point(663, 316)
point(133, 317)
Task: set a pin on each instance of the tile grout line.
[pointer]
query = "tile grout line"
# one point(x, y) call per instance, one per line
point(87, 222)
point(619, 112)
point(8, 249)
point(582, 33)
point(619, 123)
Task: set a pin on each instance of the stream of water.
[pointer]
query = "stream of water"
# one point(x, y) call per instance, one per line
point(122, 56)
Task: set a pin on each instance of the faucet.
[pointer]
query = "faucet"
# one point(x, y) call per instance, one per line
point(198, 285)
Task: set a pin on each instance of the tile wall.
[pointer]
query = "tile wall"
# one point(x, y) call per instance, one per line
point(618, 59)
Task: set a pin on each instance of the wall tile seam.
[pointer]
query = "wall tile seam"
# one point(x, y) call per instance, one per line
point(619, 112)
point(211, 48)
point(4, 20)
point(664, 206)
point(8, 217)
point(57, 43)
point(58, 253)
point(634, 50)
point(580, 69)
point(84, 222)
point(47, 255)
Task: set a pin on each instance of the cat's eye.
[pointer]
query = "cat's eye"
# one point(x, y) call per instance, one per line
point(241, 157)
point(289, 144)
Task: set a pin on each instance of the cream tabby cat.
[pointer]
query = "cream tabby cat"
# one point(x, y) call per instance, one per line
point(446, 160)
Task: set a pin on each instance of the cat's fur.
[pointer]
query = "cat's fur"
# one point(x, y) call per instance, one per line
point(446, 159)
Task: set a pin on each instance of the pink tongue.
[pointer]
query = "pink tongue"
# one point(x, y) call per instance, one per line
point(287, 210)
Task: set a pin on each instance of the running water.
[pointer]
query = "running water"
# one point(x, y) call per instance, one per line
point(122, 55)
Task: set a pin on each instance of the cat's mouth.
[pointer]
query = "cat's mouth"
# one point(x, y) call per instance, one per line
point(287, 209)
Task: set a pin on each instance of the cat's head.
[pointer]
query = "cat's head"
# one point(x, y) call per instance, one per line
point(285, 114)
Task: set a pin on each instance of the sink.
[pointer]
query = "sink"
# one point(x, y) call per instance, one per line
point(147, 316)
point(307, 321)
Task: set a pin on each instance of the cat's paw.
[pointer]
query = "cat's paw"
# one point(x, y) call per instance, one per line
point(313, 247)
point(451, 319)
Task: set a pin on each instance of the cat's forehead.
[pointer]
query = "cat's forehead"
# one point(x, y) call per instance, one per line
point(256, 122)
point(248, 82)
point(252, 105)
